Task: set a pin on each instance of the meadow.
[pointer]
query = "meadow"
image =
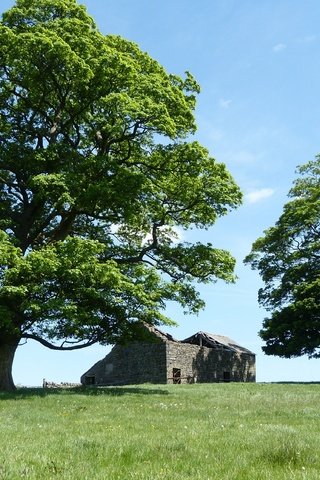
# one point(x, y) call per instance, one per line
point(173, 432)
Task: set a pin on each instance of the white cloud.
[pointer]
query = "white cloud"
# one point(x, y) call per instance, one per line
point(257, 195)
point(279, 47)
point(224, 103)
point(114, 228)
point(173, 234)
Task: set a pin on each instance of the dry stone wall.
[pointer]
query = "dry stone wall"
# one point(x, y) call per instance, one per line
point(134, 364)
point(170, 362)
point(202, 364)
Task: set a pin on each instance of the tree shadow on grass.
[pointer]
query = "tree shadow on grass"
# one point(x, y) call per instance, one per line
point(25, 392)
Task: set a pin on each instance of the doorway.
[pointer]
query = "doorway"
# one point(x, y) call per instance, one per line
point(226, 376)
point(176, 374)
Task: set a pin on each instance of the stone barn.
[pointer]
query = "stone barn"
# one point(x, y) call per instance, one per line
point(160, 358)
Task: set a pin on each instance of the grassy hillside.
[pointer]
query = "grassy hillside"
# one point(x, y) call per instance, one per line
point(173, 432)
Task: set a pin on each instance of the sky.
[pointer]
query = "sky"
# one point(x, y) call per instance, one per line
point(258, 112)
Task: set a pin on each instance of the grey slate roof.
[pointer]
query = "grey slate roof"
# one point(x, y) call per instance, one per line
point(216, 341)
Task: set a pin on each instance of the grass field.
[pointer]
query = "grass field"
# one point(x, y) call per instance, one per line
point(208, 431)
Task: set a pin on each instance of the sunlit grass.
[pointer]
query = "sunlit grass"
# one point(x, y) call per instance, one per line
point(219, 431)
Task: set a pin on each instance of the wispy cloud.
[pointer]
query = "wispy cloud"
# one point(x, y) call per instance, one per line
point(279, 47)
point(308, 39)
point(257, 195)
point(243, 157)
point(216, 134)
point(224, 103)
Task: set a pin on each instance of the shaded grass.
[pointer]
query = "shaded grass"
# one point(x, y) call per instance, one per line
point(217, 431)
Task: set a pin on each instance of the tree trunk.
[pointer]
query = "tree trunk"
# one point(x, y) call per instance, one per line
point(7, 352)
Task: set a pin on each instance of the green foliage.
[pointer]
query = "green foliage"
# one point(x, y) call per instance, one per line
point(288, 259)
point(162, 432)
point(97, 172)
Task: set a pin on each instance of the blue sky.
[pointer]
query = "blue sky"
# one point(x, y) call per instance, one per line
point(258, 112)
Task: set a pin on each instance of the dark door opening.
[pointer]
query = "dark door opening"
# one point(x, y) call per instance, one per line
point(226, 376)
point(90, 380)
point(176, 373)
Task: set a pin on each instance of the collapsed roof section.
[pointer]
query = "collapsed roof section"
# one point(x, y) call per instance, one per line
point(158, 334)
point(202, 339)
point(218, 342)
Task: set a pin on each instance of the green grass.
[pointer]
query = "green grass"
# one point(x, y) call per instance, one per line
point(173, 432)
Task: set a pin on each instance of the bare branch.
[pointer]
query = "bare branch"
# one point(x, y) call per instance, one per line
point(58, 347)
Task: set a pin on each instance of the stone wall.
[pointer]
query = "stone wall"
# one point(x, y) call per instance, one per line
point(170, 362)
point(202, 364)
point(133, 364)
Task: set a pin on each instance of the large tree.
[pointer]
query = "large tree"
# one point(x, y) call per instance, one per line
point(288, 259)
point(97, 171)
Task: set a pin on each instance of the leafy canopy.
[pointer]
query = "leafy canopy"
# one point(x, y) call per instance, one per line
point(288, 260)
point(97, 172)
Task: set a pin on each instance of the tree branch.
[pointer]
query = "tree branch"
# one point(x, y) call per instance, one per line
point(64, 228)
point(57, 347)
point(152, 246)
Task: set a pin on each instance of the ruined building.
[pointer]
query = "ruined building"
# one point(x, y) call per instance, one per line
point(203, 357)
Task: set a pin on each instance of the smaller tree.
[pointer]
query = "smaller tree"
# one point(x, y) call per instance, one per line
point(288, 260)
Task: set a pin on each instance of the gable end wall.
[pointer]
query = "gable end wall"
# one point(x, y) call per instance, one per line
point(202, 364)
point(133, 364)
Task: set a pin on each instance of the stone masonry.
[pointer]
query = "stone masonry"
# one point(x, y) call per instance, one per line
point(166, 360)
